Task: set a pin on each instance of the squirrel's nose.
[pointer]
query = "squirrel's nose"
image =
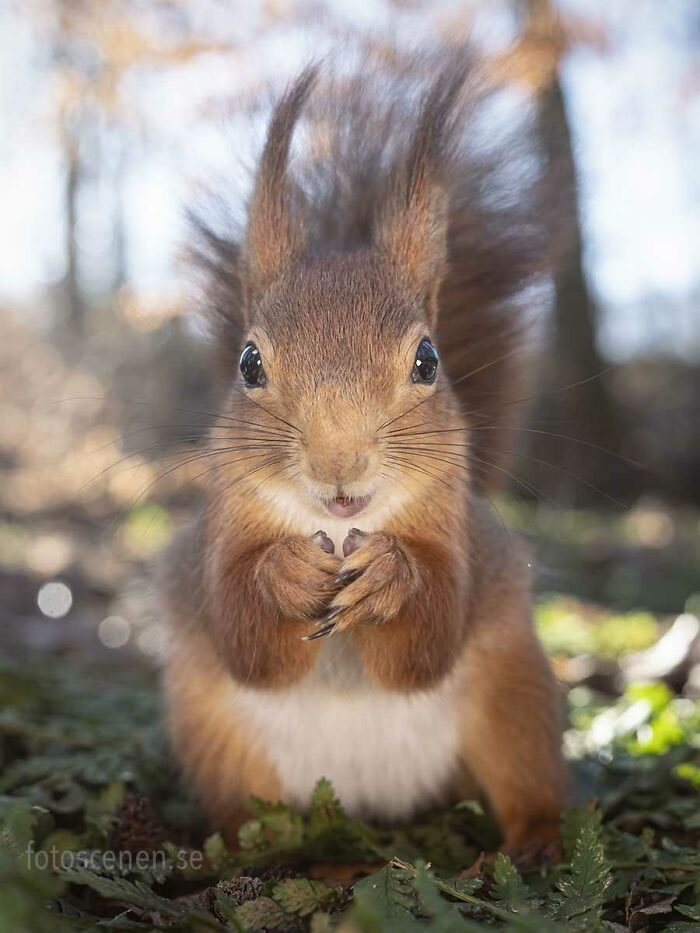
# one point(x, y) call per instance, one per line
point(335, 464)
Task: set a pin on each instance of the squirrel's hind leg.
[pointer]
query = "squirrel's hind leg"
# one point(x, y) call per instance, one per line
point(511, 731)
point(212, 742)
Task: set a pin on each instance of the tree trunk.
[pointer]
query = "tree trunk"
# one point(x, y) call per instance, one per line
point(75, 310)
point(586, 411)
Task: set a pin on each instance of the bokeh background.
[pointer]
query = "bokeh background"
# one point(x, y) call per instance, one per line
point(116, 116)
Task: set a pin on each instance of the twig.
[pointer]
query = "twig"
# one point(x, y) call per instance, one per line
point(460, 895)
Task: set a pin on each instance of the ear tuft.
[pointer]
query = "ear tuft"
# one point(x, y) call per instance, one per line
point(414, 235)
point(274, 235)
point(413, 227)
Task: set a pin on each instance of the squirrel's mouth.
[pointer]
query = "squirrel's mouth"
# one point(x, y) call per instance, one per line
point(347, 506)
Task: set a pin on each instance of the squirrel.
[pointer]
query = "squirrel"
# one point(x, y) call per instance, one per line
point(348, 605)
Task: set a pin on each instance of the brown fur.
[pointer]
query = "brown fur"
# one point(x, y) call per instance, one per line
point(337, 304)
point(220, 749)
point(517, 719)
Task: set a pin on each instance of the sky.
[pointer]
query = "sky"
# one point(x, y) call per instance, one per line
point(634, 109)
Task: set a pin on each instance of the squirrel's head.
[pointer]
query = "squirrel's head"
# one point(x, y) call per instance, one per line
point(338, 367)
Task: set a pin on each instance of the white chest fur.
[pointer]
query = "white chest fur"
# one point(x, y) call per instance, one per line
point(387, 754)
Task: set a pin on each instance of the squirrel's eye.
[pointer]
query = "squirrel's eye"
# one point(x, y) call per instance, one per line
point(252, 367)
point(425, 366)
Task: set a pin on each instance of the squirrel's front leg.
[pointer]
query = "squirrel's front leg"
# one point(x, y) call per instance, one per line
point(265, 599)
point(399, 595)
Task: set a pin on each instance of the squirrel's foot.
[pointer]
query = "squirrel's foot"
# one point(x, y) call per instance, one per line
point(376, 577)
point(296, 574)
point(538, 848)
point(535, 853)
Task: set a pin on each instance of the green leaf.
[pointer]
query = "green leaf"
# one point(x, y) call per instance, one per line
point(63, 840)
point(386, 902)
point(302, 897)
point(509, 889)
point(17, 827)
point(132, 892)
point(24, 895)
point(445, 916)
point(101, 810)
point(260, 914)
point(583, 887)
point(321, 923)
point(275, 826)
point(572, 822)
point(326, 811)
point(215, 850)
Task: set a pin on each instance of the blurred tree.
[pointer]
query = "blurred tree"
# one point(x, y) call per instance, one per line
point(92, 46)
point(573, 397)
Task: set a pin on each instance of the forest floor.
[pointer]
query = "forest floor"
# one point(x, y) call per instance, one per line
point(97, 831)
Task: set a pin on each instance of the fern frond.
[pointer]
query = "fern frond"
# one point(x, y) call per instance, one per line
point(509, 889)
point(583, 888)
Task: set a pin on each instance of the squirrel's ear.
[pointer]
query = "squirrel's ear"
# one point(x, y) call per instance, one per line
point(413, 233)
point(414, 226)
point(274, 235)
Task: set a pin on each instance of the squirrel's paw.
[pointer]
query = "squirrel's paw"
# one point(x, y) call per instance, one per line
point(296, 574)
point(539, 847)
point(375, 579)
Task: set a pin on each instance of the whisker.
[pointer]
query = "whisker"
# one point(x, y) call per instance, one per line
point(272, 442)
point(535, 395)
point(565, 472)
point(391, 479)
point(573, 440)
point(400, 467)
point(257, 424)
point(272, 476)
point(453, 383)
point(408, 430)
point(204, 455)
point(144, 450)
point(189, 411)
point(421, 452)
point(419, 469)
point(267, 410)
point(517, 401)
point(189, 437)
point(532, 489)
point(268, 462)
point(529, 487)
point(239, 479)
point(563, 437)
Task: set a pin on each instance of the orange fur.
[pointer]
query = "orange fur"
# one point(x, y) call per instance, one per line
point(412, 639)
point(251, 587)
point(218, 751)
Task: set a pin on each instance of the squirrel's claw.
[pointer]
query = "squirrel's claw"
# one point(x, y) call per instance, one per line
point(333, 614)
point(336, 617)
point(326, 624)
point(321, 539)
point(352, 541)
point(320, 632)
point(348, 576)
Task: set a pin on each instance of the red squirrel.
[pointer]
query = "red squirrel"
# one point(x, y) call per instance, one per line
point(348, 605)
